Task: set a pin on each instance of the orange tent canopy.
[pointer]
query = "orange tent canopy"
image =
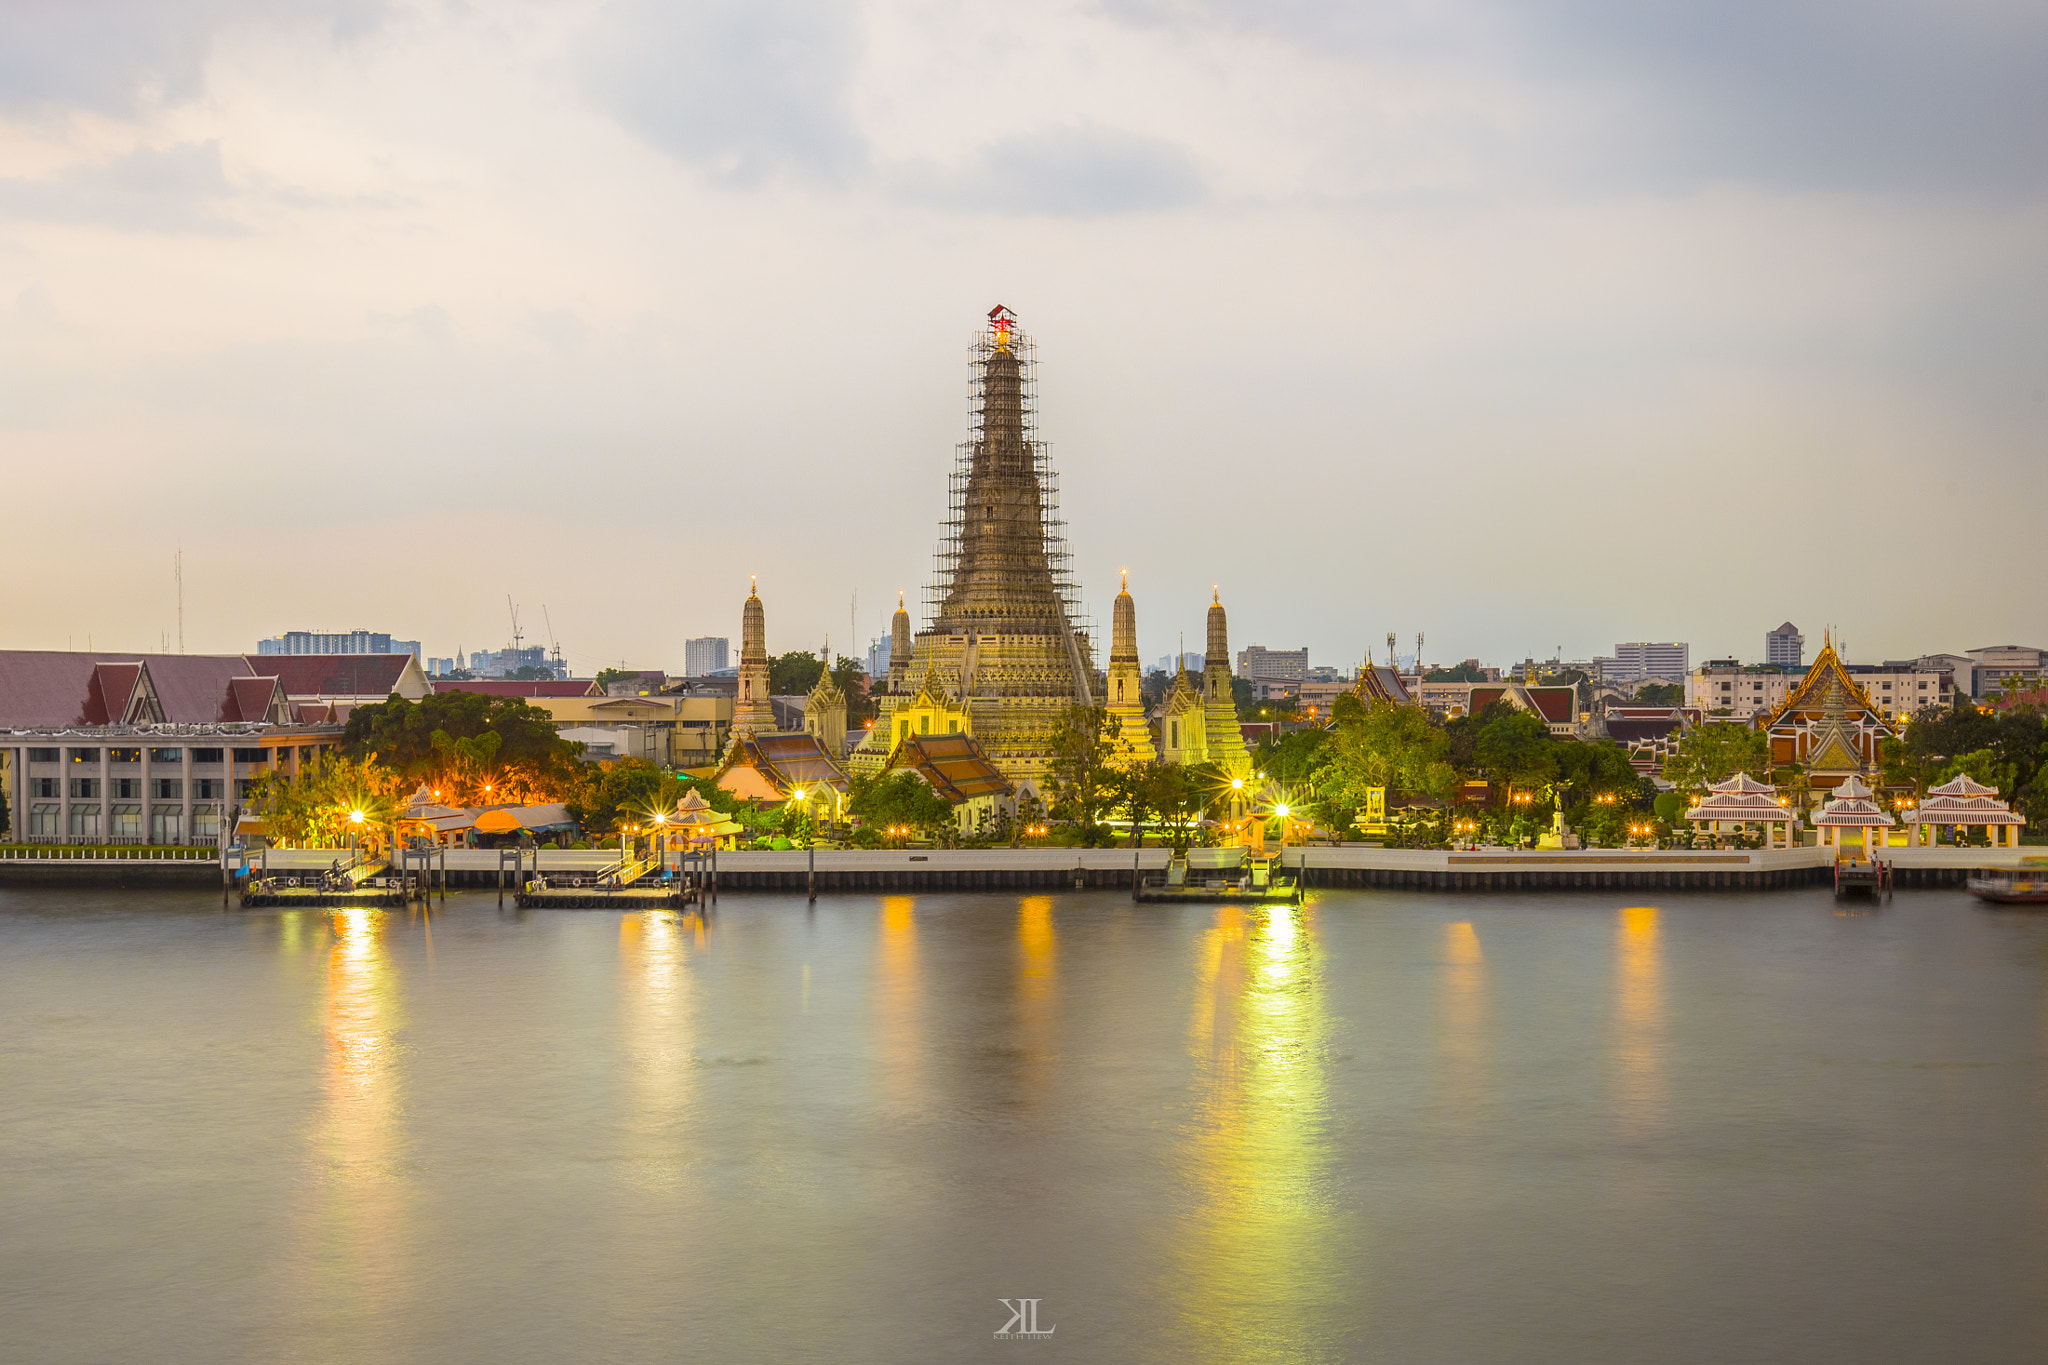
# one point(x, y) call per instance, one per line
point(498, 822)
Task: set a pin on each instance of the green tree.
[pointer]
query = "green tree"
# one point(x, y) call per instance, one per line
point(1660, 694)
point(1085, 780)
point(1244, 695)
point(898, 799)
point(1467, 673)
point(414, 740)
point(531, 673)
point(1177, 797)
point(1715, 752)
point(314, 808)
point(794, 674)
point(630, 791)
point(607, 676)
point(1515, 750)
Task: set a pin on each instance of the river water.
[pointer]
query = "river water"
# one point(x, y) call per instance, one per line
point(1381, 1127)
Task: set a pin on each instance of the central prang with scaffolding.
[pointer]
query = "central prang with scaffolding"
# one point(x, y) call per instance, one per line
point(1006, 647)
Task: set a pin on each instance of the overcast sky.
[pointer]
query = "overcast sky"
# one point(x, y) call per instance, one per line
point(1528, 325)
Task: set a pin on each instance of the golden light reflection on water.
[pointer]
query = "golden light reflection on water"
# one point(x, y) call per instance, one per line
point(1464, 1074)
point(658, 1029)
point(1639, 1043)
point(1037, 997)
point(1254, 1258)
point(898, 1001)
point(355, 1237)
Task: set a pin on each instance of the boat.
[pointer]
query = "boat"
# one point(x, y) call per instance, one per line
point(2026, 884)
point(1258, 880)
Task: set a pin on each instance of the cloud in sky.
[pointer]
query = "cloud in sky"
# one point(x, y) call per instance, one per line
point(1514, 323)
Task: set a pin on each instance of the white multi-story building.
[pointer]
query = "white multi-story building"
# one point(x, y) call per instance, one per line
point(707, 655)
point(1993, 664)
point(1723, 688)
point(1277, 665)
point(348, 642)
point(1899, 687)
point(1646, 659)
point(1785, 647)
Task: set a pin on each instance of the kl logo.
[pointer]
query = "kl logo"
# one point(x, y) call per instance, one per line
point(1023, 1321)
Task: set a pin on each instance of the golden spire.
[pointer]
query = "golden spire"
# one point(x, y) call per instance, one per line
point(1126, 584)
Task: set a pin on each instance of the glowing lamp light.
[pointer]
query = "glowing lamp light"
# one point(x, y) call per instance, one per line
point(1281, 810)
point(1237, 784)
point(355, 817)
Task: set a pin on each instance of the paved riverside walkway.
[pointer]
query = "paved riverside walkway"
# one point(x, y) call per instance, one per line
point(856, 870)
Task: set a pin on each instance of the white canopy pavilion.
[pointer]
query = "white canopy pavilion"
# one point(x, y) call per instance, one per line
point(1964, 802)
point(1854, 807)
point(1742, 801)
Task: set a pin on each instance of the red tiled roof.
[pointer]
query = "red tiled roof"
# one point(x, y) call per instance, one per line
point(52, 688)
point(333, 675)
point(1555, 703)
point(953, 764)
point(510, 687)
point(255, 699)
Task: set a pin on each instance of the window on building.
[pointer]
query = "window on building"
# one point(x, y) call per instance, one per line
point(167, 788)
point(248, 755)
point(43, 756)
point(85, 789)
point(206, 788)
point(167, 825)
point(85, 822)
point(124, 755)
point(243, 785)
point(205, 823)
point(126, 821)
point(924, 725)
point(126, 788)
point(207, 755)
point(44, 787)
point(166, 755)
point(85, 755)
point(42, 822)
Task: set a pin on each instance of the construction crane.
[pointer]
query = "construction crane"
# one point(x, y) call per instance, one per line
point(516, 636)
point(553, 644)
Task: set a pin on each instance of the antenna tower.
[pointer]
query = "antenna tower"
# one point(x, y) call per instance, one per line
point(178, 571)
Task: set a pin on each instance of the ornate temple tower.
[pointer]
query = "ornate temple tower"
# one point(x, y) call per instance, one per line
point(1002, 657)
point(1226, 740)
point(751, 712)
point(1125, 697)
point(825, 715)
point(899, 648)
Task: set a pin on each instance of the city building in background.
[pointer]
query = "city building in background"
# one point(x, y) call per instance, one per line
point(1260, 664)
point(348, 642)
point(1726, 689)
point(1785, 647)
point(504, 663)
point(1991, 667)
point(1667, 659)
point(1191, 661)
point(706, 655)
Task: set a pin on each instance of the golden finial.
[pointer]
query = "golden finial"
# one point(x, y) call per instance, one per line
point(899, 599)
point(753, 585)
point(1218, 591)
point(1127, 579)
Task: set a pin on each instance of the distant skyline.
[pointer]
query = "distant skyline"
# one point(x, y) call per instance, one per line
point(1532, 327)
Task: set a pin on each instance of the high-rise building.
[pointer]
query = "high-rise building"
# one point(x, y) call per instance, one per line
point(1670, 659)
point(1004, 650)
point(706, 655)
point(348, 642)
point(878, 661)
point(1190, 660)
point(1272, 665)
point(1785, 647)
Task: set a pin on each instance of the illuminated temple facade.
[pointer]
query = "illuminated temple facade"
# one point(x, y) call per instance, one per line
point(1004, 652)
point(1828, 725)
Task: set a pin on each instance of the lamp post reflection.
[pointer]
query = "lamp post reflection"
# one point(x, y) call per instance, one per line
point(1036, 995)
point(898, 1002)
point(1256, 1257)
point(659, 1024)
point(1462, 1038)
point(358, 1237)
point(1639, 1024)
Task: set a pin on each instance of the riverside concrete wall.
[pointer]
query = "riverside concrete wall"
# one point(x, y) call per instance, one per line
point(1002, 869)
